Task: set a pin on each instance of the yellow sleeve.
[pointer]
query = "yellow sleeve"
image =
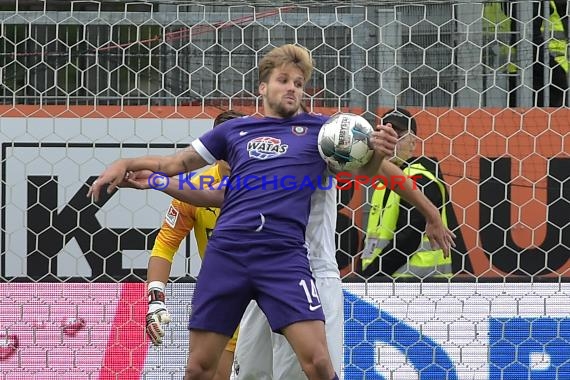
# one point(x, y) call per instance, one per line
point(177, 224)
point(205, 221)
point(211, 176)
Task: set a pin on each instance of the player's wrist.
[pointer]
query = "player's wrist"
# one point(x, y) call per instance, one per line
point(432, 214)
point(155, 307)
point(155, 290)
point(156, 285)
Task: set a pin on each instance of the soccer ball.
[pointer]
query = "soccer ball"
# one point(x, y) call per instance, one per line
point(344, 142)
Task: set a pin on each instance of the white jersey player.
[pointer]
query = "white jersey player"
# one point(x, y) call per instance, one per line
point(262, 354)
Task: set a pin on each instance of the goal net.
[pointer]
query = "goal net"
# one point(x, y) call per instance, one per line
point(83, 83)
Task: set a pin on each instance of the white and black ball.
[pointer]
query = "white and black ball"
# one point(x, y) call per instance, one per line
point(344, 142)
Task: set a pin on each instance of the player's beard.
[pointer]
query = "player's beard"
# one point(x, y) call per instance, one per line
point(280, 108)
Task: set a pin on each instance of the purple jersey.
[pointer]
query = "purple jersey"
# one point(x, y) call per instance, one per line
point(275, 168)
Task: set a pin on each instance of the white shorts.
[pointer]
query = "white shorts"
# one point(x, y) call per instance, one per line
point(264, 355)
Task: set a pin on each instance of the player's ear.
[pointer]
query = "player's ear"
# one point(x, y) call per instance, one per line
point(414, 141)
point(262, 88)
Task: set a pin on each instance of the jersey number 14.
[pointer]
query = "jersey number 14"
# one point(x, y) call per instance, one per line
point(312, 295)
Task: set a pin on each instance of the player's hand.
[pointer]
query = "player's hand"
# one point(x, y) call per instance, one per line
point(136, 180)
point(112, 176)
point(370, 245)
point(156, 316)
point(440, 237)
point(384, 140)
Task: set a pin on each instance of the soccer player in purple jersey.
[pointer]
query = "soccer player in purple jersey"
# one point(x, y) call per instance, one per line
point(257, 250)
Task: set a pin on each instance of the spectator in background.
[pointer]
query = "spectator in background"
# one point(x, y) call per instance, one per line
point(555, 32)
point(395, 243)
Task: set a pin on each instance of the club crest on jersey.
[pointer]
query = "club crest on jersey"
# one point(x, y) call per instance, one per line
point(264, 148)
point(299, 130)
point(171, 216)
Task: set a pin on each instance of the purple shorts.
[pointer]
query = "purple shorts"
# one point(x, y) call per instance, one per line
point(271, 271)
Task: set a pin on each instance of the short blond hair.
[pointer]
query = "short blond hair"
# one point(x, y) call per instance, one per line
point(285, 55)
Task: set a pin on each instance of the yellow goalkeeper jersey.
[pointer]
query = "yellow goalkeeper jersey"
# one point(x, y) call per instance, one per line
point(182, 217)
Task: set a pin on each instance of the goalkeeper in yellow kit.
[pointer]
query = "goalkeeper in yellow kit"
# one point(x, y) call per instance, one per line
point(180, 219)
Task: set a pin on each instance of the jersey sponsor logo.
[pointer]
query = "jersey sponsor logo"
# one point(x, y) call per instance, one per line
point(171, 216)
point(299, 130)
point(264, 148)
point(243, 133)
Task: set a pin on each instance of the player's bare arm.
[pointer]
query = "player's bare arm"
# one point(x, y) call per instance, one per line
point(438, 234)
point(181, 162)
point(207, 197)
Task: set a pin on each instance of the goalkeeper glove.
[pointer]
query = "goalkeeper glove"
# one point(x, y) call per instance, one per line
point(157, 314)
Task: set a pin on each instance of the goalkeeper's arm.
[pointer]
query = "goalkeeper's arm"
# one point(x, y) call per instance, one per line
point(157, 276)
point(157, 313)
point(159, 266)
point(158, 273)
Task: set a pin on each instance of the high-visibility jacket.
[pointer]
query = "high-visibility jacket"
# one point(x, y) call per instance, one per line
point(425, 261)
point(497, 25)
point(556, 38)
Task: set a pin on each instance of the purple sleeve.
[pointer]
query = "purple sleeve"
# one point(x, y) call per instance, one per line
point(212, 145)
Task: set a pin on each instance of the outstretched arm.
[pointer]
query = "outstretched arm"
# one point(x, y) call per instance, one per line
point(182, 162)
point(213, 196)
point(201, 198)
point(159, 265)
point(438, 234)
